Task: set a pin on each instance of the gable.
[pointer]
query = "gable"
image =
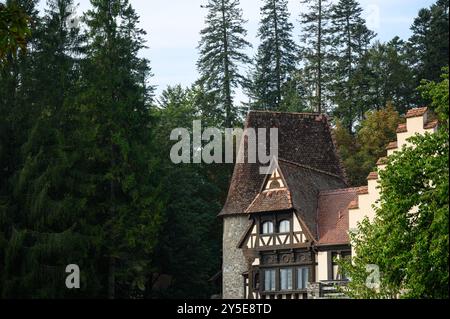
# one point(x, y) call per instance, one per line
point(304, 139)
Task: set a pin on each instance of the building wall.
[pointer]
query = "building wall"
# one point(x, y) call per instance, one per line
point(366, 202)
point(234, 262)
point(322, 265)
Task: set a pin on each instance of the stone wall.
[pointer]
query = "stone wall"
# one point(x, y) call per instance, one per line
point(234, 263)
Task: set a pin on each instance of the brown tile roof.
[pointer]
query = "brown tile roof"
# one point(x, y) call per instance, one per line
point(420, 111)
point(332, 215)
point(392, 145)
point(272, 200)
point(431, 124)
point(372, 176)
point(353, 204)
point(402, 128)
point(362, 190)
point(304, 139)
point(305, 184)
point(382, 161)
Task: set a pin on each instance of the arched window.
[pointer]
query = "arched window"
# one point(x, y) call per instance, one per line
point(285, 226)
point(267, 228)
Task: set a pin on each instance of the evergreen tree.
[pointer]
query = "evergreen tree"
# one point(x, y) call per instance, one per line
point(315, 43)
point(383, 76)
point(48, 230)
point(16, 113)
point(222, 54)
point(115, 103)
point(428, 47)
point(276, 58)
point(350, 41)
point(193, 236)
point(14, 29)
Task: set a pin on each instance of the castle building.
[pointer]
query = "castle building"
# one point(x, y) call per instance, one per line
point(284, 231)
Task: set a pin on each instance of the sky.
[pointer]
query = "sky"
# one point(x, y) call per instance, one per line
point(173, 27)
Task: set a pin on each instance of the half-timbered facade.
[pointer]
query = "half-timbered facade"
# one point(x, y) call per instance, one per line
point(284, 232)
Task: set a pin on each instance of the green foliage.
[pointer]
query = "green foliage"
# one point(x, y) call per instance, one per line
point(408, 239)
point(383, 76)
point(428, 47)
point(350, 41)
point(314, 52)
point(361, 151)
point(222, 53)
point(14, 30)
point(276, 59)
point(191, 233)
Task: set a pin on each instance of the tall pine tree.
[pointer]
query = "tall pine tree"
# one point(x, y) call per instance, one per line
point(428, 47)
point(222, 53)
point(350, 41)
point(276, 58)
point(49, 228)
point(315, 43)
point(125, 199)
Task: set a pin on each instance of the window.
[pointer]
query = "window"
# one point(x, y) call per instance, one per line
point(336, 272)
point(285, 226)
point(267, 228)
point(286, 279)
point(302, 277)
point(269, 280)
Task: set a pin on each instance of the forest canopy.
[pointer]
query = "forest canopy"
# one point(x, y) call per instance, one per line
point(85, 174)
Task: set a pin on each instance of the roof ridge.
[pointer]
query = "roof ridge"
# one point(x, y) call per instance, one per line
point(339, 191)
point(289, 113)
point(311, 168)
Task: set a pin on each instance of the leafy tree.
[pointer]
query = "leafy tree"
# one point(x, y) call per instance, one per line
point(408, 239)
point(276, 58)
point(350, 41)
point(361, 151)
point(316, 41)
point(222, 54)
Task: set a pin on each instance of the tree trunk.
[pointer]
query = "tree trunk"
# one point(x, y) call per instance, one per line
point(319, 61)
point(277, 55)
point(226, 62)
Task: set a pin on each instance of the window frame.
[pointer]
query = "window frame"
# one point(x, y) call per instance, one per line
point(290, 281)
point(300, 270)
point(273, 275)
point(267, 222)
point(288, 221)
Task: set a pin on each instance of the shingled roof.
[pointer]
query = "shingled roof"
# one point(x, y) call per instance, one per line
point(307, 159)
point(332, 215)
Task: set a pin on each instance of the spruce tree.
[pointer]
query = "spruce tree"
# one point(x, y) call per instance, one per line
point(48, 230)
point(125, 200)
point(315, 44)
point(383, 76)
point(222, 54)
point(276, 58)
point(428, 47)
point(350, 41)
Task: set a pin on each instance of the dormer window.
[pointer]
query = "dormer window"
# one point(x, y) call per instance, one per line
point(267, 228)
point(285, 226)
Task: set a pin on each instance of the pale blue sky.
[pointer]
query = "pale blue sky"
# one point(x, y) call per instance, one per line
point(173, 30)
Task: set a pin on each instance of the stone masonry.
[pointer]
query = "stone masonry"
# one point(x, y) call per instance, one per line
point(234, 263)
